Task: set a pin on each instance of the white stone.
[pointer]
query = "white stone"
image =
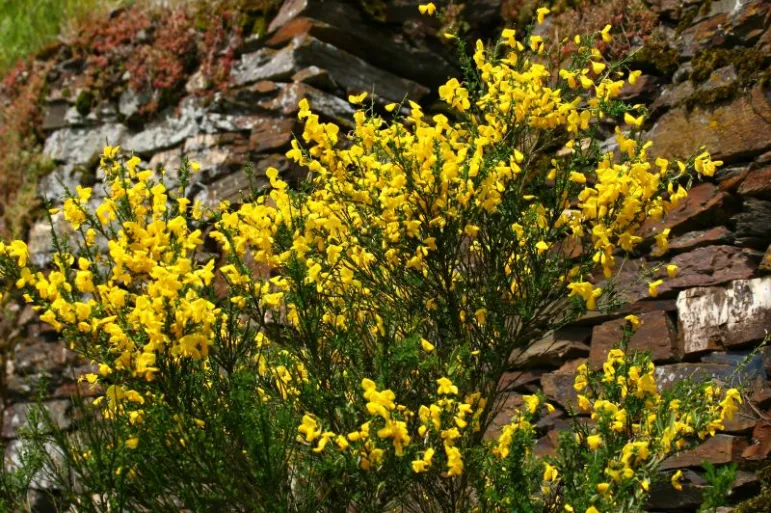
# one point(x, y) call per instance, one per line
point(719, 317)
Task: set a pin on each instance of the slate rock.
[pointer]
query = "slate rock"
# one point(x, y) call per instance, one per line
point(82, 146)
point(265, 64)
point(552, 350)
point(169, 131)
point(668, 375)
point(753, 223)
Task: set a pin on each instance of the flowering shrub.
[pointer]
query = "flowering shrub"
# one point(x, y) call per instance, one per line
point(344, 352)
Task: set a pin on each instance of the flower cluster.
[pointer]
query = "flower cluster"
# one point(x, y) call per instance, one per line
point(368, 315)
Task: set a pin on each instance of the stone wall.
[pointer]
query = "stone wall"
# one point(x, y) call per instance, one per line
point(705, 322)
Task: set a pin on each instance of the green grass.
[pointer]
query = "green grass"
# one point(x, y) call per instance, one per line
point(26, 26)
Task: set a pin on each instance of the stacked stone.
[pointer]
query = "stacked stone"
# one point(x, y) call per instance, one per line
point(707, 321)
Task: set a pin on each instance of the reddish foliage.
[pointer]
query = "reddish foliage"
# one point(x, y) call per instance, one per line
point(20, 162)
point(163, 63)
point(633, 23)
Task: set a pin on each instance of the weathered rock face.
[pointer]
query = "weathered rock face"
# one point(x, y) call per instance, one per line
point(724, 317)
point(706, 320)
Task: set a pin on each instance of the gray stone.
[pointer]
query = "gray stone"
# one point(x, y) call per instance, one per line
point(54, 185)
point(168, 132)
point(40, 241)
point(324, 104)
point(16, 416)
point(316, 77)
point(668, 375)
point(753, 223)
point(83, 145)
point(265, 64)
point(55, 114)
point(716, 317)
point(232, 188)
point(356, 75)
point(40, 501)
point(131, 101)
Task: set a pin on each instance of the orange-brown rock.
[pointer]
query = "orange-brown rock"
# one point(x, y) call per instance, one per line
point(757, 183)
point(731, 131)
point(657, 335)
point(717, 450)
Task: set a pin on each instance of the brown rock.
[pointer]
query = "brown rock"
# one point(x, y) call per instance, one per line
point(716, 317)
point(38, 356)
point(705, 34)
point(272, 134)
point(558, 387)
point(701, 238)
point(709, 266)
point(644, 90)
point(702, 267)
point(509, 405)
point(730, 178)
point(761, 443)
point(553, 350)
point(762, 398)
point(656, 334)
point(732, 131)
point(757, 183)
point(664, 497)
point(704, 207)
point(672, 96)
point(717, 450)
point(547, 445)
point(522, 380)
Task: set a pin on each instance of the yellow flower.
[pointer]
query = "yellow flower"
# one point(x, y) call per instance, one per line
point(542, 247)
point(541, 14)
point(423, 464)
point(426, 345)
point(536, 43)
point(594, 441)
point(605, 33)
point(653, 287)
point(634, 121)
point(577, 177)
point(428, 8)
point(603, 488)
point(633, 76)
point(391, 106)
point(132, 443)
point(550, 473)
point(532, 402)
point(676, 477)
point(446, 387)
point(671, 270)
point(357, 99)
point(633, 320)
